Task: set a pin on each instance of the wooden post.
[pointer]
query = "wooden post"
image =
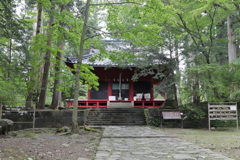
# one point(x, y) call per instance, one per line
point(0, 110)
point(222, 111)
point(236, 116)
point(182, 123)
point(34, 109)
point(161, 119)
point(209, 123)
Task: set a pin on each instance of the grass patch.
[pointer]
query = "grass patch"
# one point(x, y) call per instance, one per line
point(9, 151)
point(30, 135)
point(225, 141)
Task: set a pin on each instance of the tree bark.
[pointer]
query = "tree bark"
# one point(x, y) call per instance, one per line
point(56, 97)
point(194, 81)
point(39, 19)
point(75, 128)
point(231, 40)
point(33, 91)
point(42, 97)
point(232, 55)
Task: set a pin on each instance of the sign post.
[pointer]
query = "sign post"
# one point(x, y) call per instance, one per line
point(222, 111)
point(0, 110)
point(171, 115)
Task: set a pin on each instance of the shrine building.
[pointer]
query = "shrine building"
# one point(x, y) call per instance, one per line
point(116, 87)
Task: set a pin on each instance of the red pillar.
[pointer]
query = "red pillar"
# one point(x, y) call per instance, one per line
point(131, 90)
point(109, 88)
point(89, 94)
point(152, 91)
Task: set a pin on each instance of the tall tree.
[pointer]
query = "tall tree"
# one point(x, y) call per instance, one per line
point(56, 97)
point(42, 97)
point(75, 127)
point(34, 80)
point(14, 42)
point(231, 40)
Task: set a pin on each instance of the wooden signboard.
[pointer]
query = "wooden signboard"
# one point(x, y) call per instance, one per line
point(222, 111)
point(171, 115)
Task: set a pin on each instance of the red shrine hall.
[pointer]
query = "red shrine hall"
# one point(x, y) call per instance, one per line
point(117, 89)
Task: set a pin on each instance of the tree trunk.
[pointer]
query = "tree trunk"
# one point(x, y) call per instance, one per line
point(177, 75)
point(231, 41)
point(194, 81)
point(232, 55)
point(56, 97)
point(32, 90)
point(42, 97)
point(39, 19)
point(75, 128)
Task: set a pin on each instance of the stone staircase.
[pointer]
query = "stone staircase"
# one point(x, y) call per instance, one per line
point(120, 105)
point(115, 116)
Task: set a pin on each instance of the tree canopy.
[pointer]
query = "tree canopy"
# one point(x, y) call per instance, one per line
point(198, 41)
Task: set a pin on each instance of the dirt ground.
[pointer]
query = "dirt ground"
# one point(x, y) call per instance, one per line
point(46, 144)
point(224, 141)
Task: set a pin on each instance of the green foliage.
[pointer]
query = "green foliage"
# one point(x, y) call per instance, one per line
point(170, 32)
point(156, 122)
point(195, 114)
point(30, 135)
point(195, 111)
point(90, 129)
point(219, 123)
point(14, 43)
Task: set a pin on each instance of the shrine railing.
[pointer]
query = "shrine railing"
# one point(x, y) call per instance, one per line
point(104, 103)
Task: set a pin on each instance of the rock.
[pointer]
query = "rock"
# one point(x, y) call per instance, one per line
point(6, 125)
point(65, 145)
point(213, 128)
point(63, 129)
point(66, 129)
point(4, 122)
point(61, 108)
point(75, 136)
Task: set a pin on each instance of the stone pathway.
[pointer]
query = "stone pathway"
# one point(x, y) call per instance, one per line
point(145, 143)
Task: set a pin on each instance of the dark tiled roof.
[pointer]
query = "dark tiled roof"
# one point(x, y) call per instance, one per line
point(111, 46)
point(114, 45)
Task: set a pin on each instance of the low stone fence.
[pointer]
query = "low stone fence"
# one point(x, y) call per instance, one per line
point(194, 115)
point(43, 119)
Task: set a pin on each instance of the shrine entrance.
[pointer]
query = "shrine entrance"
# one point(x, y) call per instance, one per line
point(121, 93)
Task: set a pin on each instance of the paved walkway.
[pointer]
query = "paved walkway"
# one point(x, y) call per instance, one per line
point(145, 143)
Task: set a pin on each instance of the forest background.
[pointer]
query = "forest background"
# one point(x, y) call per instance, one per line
point(198, 41)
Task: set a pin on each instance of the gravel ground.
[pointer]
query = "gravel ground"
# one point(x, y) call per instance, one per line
point(47, 145)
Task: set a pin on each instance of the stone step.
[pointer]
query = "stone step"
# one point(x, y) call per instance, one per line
point(116, 116)
point(119, 117)
point(120, 104)
point(117, 124)
point(104, 117)
point(111, 121)
point(115, 111)
point(112, 124)
point(117, 121)
point(129, 109)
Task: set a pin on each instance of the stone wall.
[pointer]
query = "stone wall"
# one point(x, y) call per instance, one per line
point(194, 116)
point(44, 119)
point(152, 115)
